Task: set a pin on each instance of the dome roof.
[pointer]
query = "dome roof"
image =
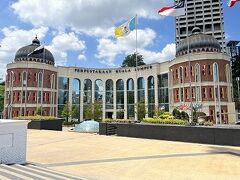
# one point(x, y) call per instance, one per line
point(26, 53)
point(198, 42)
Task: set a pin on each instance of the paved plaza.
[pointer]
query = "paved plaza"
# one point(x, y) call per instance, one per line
point(110, 157)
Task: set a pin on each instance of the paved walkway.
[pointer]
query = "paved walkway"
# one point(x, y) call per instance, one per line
point(110, 157)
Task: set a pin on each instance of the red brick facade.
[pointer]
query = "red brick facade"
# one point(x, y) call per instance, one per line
point(18, 92)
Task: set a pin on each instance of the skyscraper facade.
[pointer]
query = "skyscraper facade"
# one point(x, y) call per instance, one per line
point(205, 14)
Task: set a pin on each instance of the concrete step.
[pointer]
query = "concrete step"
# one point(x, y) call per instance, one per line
point(27, 172)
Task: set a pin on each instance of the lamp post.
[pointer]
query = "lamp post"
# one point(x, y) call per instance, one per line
point(238, 99)
point(238, 87)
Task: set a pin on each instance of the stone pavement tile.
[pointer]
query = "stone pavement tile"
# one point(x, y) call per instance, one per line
point(112, 157)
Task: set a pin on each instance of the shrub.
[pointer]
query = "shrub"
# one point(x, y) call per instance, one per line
point(184, 115)
point(208, 123)
point(158, 112)
point(176, 113)
point(36, 118)
point(108, 120)
point(165, 121)
point(198, 114)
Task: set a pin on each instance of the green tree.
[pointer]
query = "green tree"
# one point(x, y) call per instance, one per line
point(75, 112)
point(130, 60)
point(38, 111)
point(93, 111)
point(141, 110)
point(66, 112)
point(2, 90)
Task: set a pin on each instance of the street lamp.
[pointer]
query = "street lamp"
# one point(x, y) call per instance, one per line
point(238, 78)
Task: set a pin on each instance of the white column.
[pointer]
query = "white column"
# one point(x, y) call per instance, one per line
point(125, 99)
point(104, 100)
point(93, 91)
point(135, 98)
point(156, 91)
point(114, 101)
point(146, 95)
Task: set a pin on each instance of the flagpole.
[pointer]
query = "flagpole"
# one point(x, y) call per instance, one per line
point(189, 68)
point(136, 39)
point(136, 116)
point(42, 80)
point(26, 89)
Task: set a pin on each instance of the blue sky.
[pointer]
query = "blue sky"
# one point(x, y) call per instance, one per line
point(80, 33)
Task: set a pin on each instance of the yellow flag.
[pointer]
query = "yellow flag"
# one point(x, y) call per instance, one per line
point(118, 31)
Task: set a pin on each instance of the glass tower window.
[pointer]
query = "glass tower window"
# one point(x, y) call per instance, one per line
point(141, 90)
point(109, 94)
point(99, 90)
point(63, 89)
point(120, 94)
point(163, 91)
point(87, 95)
point(76, 84)
point(151, 96)
point(130, 98)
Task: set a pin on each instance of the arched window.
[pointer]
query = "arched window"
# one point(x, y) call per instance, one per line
point(87, 96)
point(120, 98)
point(76, 92)
point(141, 90)
point(24, 79)
point(151, 96)
point(120, 94)
point(40, 85)
point(9, 94)
point(130, 98)
point(181, 86)
point(99, 91)
point(109, 94)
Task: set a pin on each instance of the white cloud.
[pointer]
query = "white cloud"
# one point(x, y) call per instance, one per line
point(108, 48)
point(167, 53)
point(64, 42)
point(82, 57)
point(15, 38)
point(91, 17)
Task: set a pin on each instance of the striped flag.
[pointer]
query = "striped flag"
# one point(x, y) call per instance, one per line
point(38, 50)
point(177, 10)
point(125, 28)
point(231, 3)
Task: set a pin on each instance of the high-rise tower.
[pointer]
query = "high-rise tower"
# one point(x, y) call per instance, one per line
point(205, 14)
